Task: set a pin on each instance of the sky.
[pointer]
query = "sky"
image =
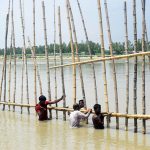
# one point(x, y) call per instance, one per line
point(90, 14)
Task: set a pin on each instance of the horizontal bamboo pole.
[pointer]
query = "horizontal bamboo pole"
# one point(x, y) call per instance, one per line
point(103, 59)
point(120, 115)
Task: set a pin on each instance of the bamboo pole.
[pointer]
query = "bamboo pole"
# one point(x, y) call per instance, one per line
point(135, 66)
point(2, 77)
point(72, 51)
point(147, 44)
point(46, 54)
point(103, 56)
point(14, 53)
point(89, 50)
point(127, 64)
point(55, 71)
point(9, 70)
point(77, 53)
point(34, 44)
point(143, 66)
point(24, 52)
point(5, 58)
point(103, 59)
point(36, 65)
point(61, 61)
point(113, 64)
point(129, 116)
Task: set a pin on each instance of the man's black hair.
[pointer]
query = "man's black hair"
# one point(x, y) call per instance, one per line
point(76, 106)
point(42, 98)
point(97, 106)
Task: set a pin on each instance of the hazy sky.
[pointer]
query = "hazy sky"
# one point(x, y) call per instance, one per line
point(90, 13)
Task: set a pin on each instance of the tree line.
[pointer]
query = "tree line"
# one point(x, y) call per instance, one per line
point(118, 48)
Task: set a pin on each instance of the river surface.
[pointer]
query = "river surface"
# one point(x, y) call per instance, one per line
point(25, 132)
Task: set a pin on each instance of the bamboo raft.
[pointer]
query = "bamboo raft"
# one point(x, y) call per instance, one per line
point(76, 62)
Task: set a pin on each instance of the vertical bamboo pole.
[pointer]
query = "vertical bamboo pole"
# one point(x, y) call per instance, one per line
point(14, 52)
point(1, 84)
point(77, 54)
point(61, 61)
point(143, 66)
point(5, 59)
point(135, 66)
point(2, 78)
point(89, 50)
point(55, 71)
point(35, 65)
point(46, 55)
point(9, 72)
point(147, 44)
point(34, 44)
point(127, 64)
point(72, 51)
point(22, 82)
point(25, 57)
point(113, 64)
point(103, 55)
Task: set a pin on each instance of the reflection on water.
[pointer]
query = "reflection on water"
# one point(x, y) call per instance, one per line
point(23, 132)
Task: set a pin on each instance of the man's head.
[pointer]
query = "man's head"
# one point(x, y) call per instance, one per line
point(81, 103)
point(97, 108)
point(76, 106)
point(42, 98)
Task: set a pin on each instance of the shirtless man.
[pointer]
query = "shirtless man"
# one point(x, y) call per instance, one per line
point(98, 118)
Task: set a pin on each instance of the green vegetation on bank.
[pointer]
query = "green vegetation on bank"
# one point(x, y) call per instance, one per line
point(118, 49)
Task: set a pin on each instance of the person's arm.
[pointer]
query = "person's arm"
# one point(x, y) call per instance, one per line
point(83, 116)
point(56, 101)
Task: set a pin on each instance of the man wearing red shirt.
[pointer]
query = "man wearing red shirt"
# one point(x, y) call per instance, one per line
point(41, 107)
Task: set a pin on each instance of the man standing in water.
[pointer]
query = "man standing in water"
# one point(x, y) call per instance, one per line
point(76, 116)
point(98, 118)
point(41, 107)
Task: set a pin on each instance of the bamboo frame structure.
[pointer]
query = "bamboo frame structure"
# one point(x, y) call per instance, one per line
point(72, 51)
point(143, 66)
point(147, 46)
point(36, 65)
point(74, 46)
point(135, 66)
point(113, 63)
point(61, 60)
point(127, 64)
point(24, 53)
point(103, 59)
point(1, 84)
point(14, 52)
point(111, 114)
point(89, 50)
point(9, 72)
point(5, 58)
point(77, 54)
point(46, 55)
point(55, 71)
point(34, 44)
point(103, 56)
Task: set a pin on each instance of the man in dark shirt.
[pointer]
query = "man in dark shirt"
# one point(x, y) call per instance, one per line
point(98, 118)
point(41, 107)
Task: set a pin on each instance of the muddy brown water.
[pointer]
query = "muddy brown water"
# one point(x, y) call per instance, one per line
point(25, 132)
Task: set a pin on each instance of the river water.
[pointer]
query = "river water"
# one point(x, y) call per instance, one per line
point(25, 132)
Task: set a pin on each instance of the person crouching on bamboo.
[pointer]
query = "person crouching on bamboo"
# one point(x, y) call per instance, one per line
point(76, 116)
point(41, 107)
point(98, 117)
